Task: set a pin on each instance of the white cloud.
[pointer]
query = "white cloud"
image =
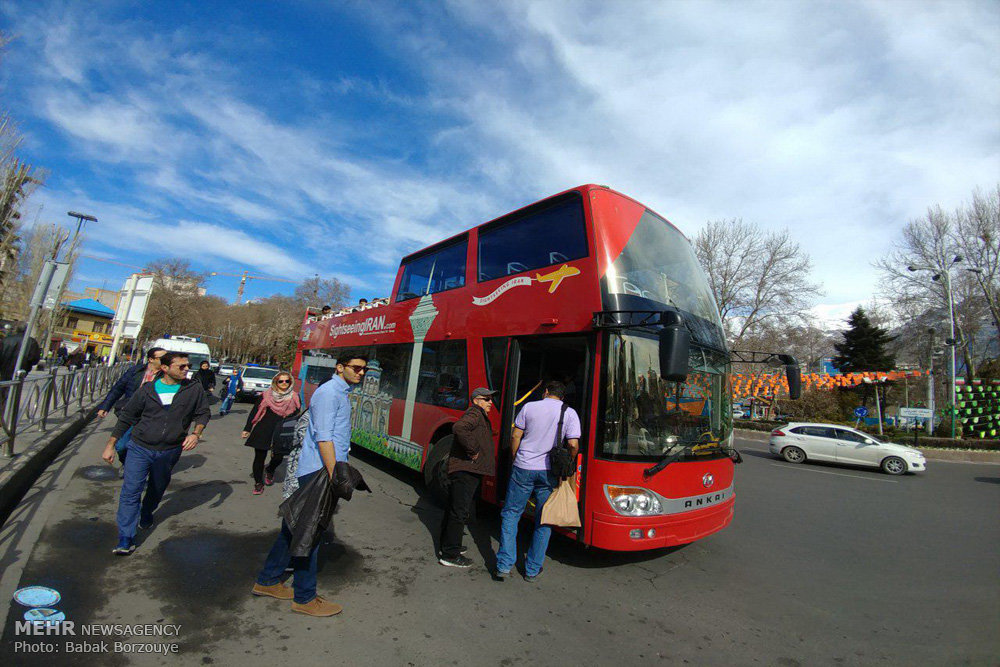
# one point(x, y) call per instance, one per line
point(839, 121)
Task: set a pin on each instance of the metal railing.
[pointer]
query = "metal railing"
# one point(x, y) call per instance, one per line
point(36, 400)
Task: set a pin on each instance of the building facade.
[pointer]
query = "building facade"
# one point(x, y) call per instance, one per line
point(85, 326)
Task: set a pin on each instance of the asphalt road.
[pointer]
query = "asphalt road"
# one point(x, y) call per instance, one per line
point(822, 565)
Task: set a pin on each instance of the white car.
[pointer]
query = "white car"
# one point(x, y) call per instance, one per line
point(256, 380)
point(798, 442)
point(226, 370)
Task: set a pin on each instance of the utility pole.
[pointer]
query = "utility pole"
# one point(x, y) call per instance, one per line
point(944, 275)
point(930, 381)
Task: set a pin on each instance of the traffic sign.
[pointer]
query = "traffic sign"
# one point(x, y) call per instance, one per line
point(860, 412)
point(923, 413)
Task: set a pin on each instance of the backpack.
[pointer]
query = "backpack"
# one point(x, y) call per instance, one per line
point(561, 462)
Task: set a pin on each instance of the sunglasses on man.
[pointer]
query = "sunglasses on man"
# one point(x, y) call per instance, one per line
point(357, 368)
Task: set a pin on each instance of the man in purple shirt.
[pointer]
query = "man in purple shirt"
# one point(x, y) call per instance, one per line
point(534, 436)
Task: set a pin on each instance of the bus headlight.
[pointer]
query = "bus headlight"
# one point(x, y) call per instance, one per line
point(632, 500)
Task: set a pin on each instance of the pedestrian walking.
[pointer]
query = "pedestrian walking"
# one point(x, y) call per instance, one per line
point(76, 359)
point(233, 386)
point(122, 390)
point(11, 347)
point(271, 408)
point(9, 350)
point(206, 376)
point(159, 413)
point(471, 458)
point(534, 436)
point(326, 443)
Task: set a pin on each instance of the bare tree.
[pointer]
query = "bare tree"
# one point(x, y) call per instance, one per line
point(318, 291)
point(757, 277)
point(174, 302)
point(978, 237)
point(18, 180)
point(41, 242)
point(931, 246)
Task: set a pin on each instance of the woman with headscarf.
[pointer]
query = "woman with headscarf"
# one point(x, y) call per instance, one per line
point(273, 407)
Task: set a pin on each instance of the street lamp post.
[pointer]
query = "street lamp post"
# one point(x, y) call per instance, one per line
point(80, 219)
point(945, 277)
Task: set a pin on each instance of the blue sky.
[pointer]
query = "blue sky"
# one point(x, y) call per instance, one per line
point(310, 137)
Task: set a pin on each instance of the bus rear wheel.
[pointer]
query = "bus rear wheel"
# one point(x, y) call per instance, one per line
point(436, 469)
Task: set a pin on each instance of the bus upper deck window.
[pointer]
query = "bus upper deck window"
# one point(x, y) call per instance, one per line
point(551, 235)
point(434, 271)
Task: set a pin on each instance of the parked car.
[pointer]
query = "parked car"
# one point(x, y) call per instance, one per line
point(256, 379)
point(226, 369)
point(738, 413)
point(798, 442)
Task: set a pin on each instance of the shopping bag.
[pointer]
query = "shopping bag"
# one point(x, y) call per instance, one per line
point(561, 508)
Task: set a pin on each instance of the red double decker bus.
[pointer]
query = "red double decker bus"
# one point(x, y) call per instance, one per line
point(588, 287)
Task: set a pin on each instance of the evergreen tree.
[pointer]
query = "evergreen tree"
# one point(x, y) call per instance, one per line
point(863, 347)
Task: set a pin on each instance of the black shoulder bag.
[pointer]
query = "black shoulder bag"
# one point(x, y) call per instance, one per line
point(561, 463)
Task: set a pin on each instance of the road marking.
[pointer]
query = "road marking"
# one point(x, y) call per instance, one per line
point(838, 474)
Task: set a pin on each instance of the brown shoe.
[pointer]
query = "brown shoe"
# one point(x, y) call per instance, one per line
point(280, 591)
point(318, 607)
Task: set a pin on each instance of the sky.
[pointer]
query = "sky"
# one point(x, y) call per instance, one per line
point(299, 138)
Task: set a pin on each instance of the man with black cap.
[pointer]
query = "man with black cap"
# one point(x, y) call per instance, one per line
point(471, 458)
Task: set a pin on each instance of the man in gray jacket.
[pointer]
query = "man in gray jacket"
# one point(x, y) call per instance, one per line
point(159, 413)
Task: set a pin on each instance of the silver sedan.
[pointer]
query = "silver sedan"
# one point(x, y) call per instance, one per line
point(798, 442)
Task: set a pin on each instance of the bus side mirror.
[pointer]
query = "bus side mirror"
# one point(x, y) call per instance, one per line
point(675, 348)
point(793, 375)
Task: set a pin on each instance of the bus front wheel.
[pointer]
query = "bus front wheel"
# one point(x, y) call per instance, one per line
point(436, 469)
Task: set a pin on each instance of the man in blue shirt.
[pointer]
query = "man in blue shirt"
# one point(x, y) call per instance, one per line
point(327, 440)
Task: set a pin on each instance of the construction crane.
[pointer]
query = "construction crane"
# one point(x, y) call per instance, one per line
point(244, 277)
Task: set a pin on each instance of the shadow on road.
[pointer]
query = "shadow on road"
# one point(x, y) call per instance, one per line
point(485, 527)
point(180, 499)
point(988, 480)
point(189, 462)
point(759, 455)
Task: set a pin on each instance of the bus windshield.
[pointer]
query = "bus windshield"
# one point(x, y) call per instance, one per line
point(660, 265)
point(646, 416)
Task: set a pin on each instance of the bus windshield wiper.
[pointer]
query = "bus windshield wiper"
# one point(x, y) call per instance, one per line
point(679, 450)
point(673, 454)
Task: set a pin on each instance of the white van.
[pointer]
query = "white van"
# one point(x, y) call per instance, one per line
point(196, 350)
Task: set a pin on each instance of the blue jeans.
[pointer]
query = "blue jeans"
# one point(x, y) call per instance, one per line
point(227, 403)
point(304, 577)
point(523, 483)
point(143, 464)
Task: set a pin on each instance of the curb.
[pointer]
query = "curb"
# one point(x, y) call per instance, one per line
point(25, 468)
point(931, 454)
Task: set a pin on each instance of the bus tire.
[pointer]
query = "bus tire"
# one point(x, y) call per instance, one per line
point(435, 469)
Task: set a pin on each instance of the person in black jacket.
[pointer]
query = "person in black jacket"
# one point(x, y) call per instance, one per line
point(9, 350)
point(11, 347)
point(471, 457)
point(123, 389)
point(159, 414)
point(272, 407)
point(206, 376)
